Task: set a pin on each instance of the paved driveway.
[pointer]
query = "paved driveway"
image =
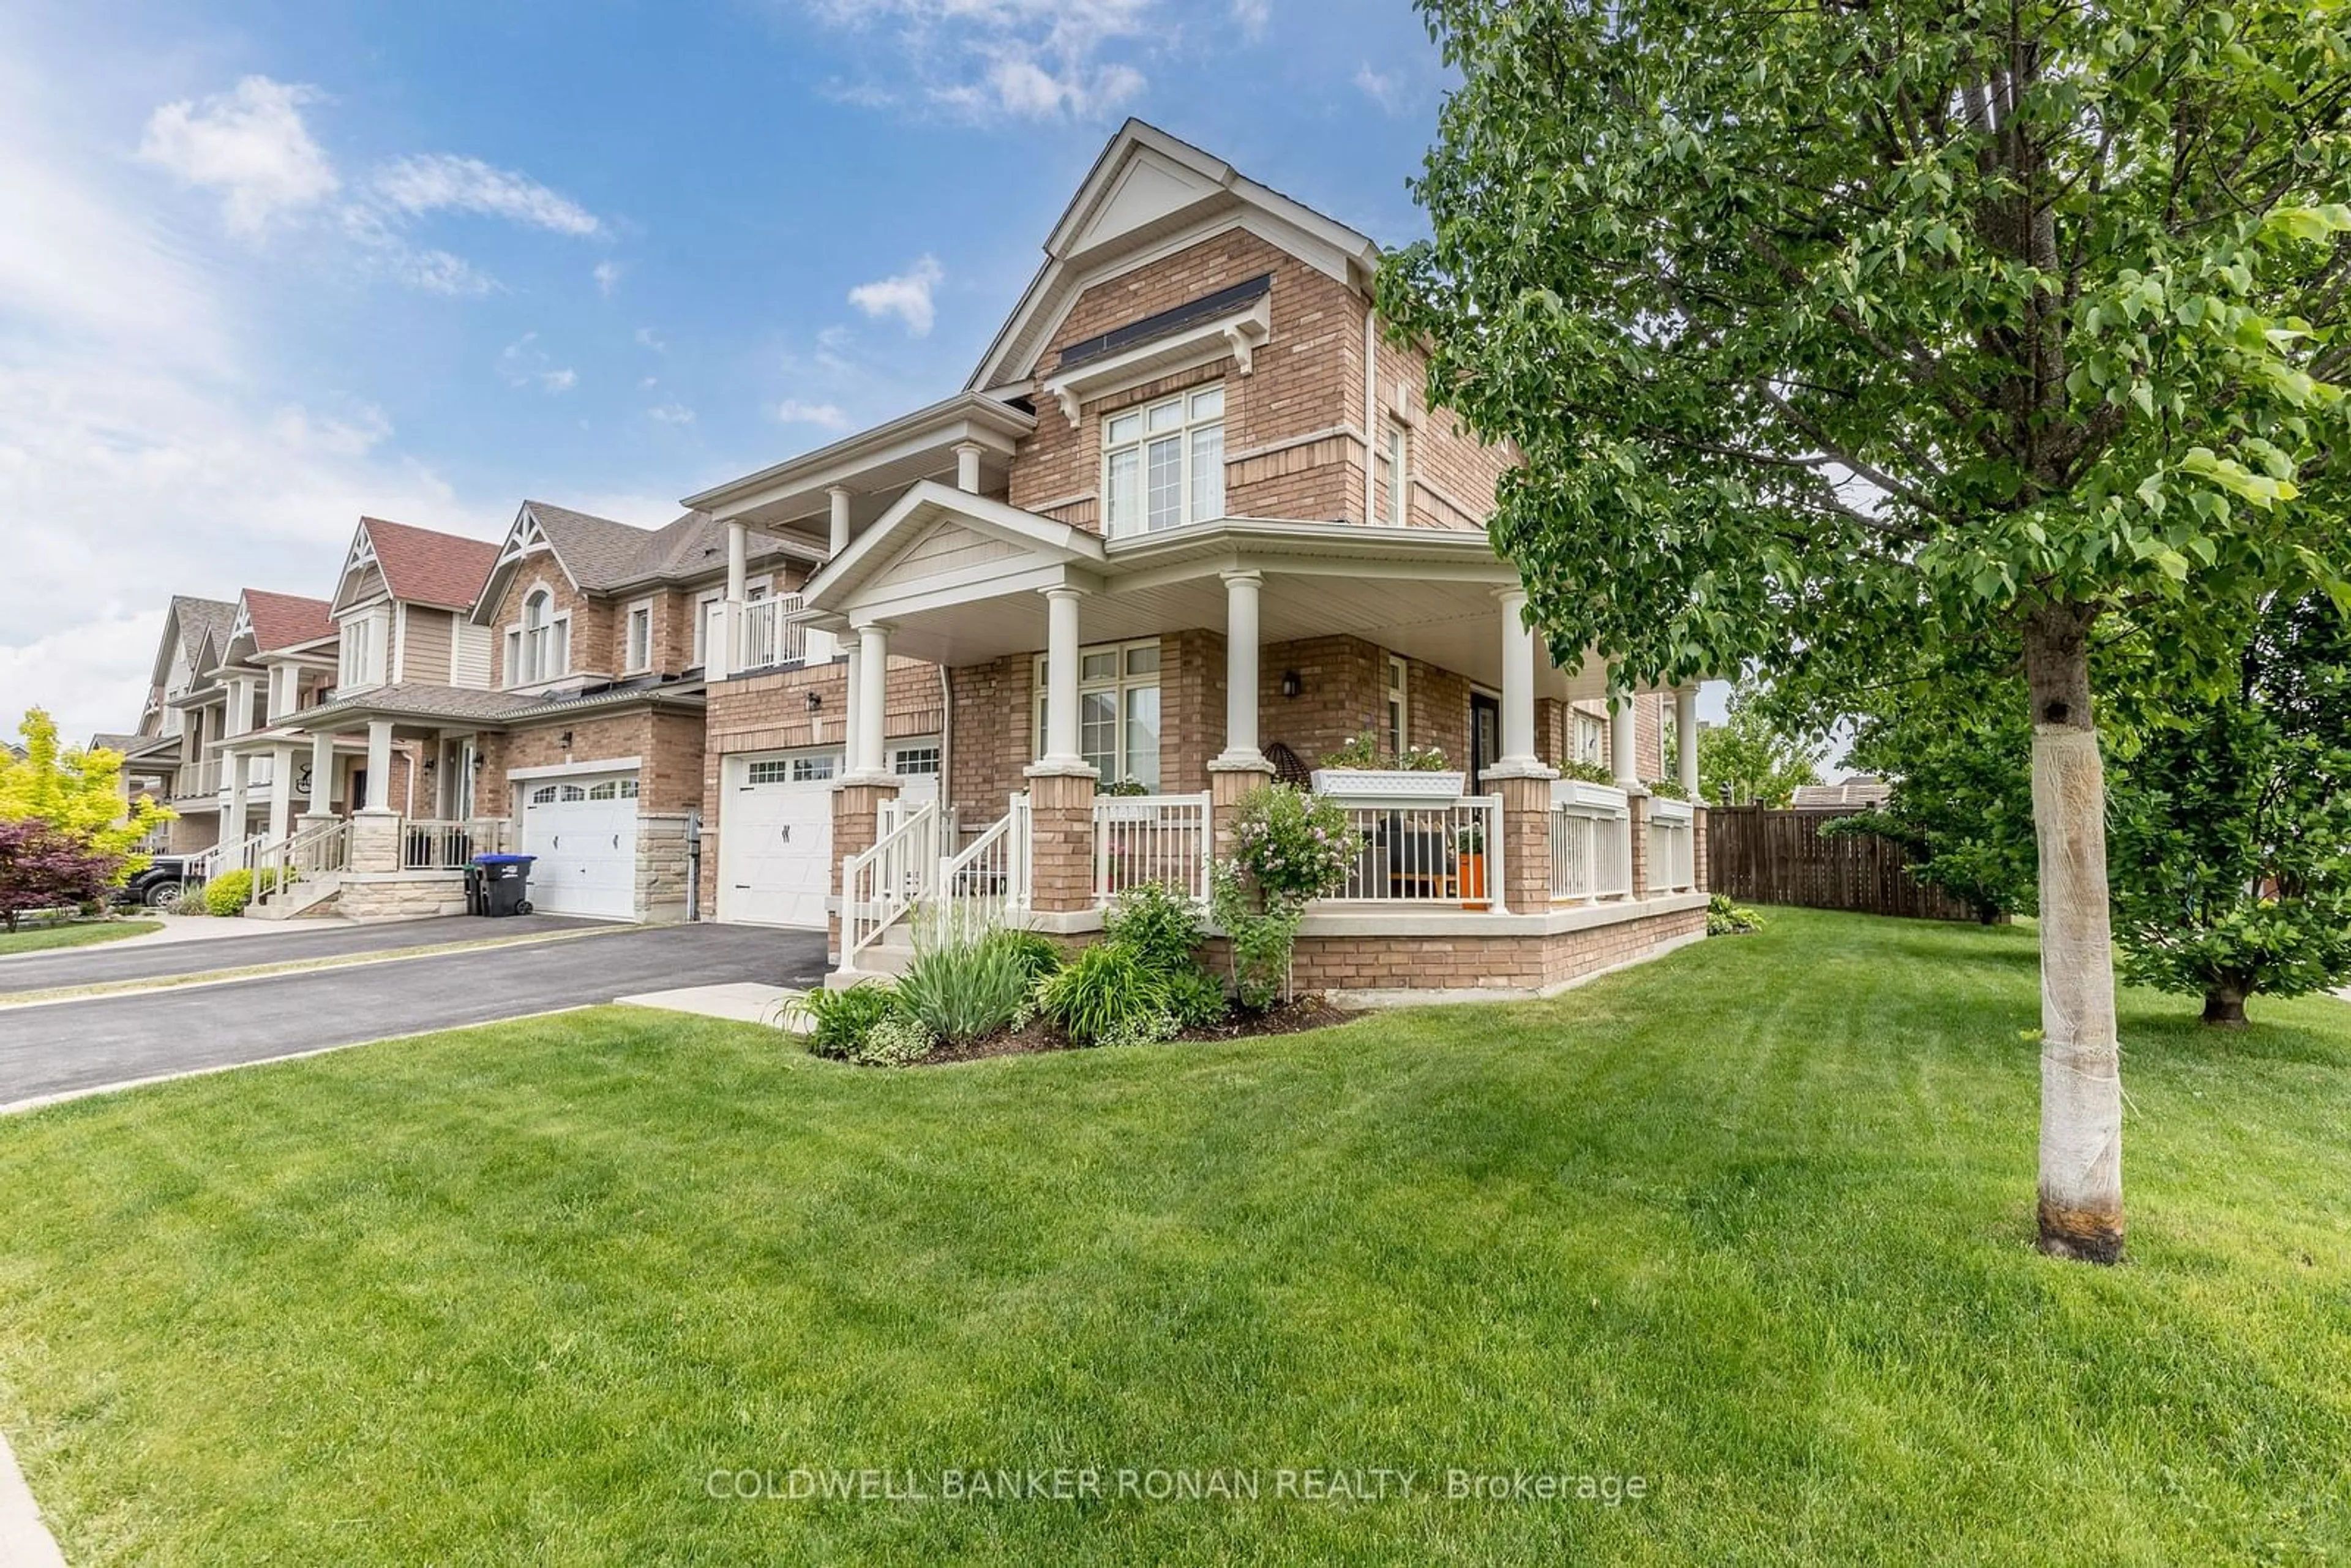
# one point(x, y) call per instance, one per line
point(108, 963)
point(68, 1046)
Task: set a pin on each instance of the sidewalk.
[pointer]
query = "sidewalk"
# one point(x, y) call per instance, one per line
point(24, 1541)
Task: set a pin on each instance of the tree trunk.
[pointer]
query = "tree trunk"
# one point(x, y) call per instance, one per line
point(2225, 1004)
point(2081, 1058)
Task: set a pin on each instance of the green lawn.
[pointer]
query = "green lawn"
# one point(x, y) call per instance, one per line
point(1751, 1223)
point(73, 934)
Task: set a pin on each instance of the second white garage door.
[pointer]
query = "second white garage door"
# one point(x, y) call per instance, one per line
point(584, 833)
point(775, 838)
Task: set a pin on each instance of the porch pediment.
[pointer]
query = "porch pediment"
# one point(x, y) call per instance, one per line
point(939, 540)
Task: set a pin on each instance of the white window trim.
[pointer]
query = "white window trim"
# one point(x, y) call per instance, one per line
point(1396, 457)
point(702, 603)
point(629, 663)
point(1120, 684)
point(517, 637)
point(1396, 696)
point(1182, 433)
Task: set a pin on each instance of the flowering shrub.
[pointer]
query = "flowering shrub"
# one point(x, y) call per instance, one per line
point(1292, 845)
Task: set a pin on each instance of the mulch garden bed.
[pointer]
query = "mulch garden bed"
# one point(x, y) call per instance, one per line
point(1297, 1016)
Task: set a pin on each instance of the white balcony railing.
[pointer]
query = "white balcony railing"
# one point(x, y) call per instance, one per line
point(767, 638)
point(1445, 852)
point(196, 779)
point(428, 845)
point(1591, 842)
point(1673, 862)
point(1139, 839)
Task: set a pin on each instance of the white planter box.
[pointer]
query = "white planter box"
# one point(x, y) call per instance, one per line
point(1665, 809)
point(1126, 809)
point(1385, 784)
point(1587, 796)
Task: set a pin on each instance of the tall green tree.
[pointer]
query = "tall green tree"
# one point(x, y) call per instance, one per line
point(2232, 824)
point(79, 793)
point(1826, 329)
point(1749, 759)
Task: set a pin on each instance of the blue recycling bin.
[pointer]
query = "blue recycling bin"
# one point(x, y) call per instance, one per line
point(506, 883)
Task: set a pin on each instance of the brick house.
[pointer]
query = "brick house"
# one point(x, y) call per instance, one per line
point(1190, 523)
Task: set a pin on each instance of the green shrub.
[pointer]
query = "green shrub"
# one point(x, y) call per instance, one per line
point(966, 981)
point(840, 1021)
point(1038, 955)
point(1158, 922)
point(1587, 772)
point(1107, 995)
point(1724, 918)
point(1195, 998)
point(228, 893)
point(1668, 789)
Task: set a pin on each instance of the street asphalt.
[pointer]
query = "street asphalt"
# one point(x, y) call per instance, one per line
point(111, 963)
point(63, 1048)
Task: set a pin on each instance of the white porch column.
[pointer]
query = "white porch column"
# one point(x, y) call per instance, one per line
point(1242, 590)
point(739, 551)
point(850, 700)
point(1061, 679)
point(1621, 748)
point(240, 781)
point(838, 497)
point(872, 699)
point(379, 767)
point(239, 716)
point(1518, 685)
point(967, 454)
point(322, 775)
point(281, 793)
point(1686, 738)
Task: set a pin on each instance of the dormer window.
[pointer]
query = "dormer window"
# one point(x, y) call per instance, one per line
point(1164, 464)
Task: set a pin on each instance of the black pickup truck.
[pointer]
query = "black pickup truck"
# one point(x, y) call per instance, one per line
point(159, 886)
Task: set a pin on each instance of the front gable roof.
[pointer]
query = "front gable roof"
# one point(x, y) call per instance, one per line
point(603, 556)
point(938, 535)
point(187, 621)
point(1148, 191)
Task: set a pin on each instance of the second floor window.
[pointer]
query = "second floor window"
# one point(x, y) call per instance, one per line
point(545, 641)
point(1396, 463)
point(640, 654)
point(1164, 464)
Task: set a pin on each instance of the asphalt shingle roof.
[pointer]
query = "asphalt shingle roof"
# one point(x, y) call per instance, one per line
point(426, 567)
point(284, 620)
point(199, 618)
point(602, 554)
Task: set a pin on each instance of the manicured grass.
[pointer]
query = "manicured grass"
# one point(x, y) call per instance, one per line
point(1751, 1223)
point(72, 933)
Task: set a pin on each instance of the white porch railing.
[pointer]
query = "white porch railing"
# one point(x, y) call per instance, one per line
point(1591, 843)
point(1445, 852)
point(236, 855)
point(766, 640)
point(197, 779)
point(310, 856)
point(879, 886)
point(428, 845)
point(1673, 862)
point(1165, 839)
point(990, 874)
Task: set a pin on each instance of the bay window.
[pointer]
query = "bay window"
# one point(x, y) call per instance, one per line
point(1164, 464)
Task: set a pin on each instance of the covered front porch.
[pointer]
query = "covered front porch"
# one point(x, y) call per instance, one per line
point(1115, 701)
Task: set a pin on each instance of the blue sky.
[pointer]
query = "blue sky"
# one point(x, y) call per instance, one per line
point(264, 267)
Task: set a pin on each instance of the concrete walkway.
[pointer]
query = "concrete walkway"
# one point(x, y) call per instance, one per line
point(24, 1541)
point(743, 1001)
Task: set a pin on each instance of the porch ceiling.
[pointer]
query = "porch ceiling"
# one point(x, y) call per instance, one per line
point(1425, 594)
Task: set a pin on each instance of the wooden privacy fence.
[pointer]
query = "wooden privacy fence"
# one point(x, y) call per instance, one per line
point(1781, 857)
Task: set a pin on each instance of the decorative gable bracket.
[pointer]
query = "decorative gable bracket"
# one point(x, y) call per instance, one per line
point(1235, 335)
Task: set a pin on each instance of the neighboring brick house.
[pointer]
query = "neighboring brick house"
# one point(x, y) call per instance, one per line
point(1190, 466)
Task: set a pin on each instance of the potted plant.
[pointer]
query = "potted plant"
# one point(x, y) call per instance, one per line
point(1668, 800)
point(1469, 846)
point(1588, 785)
point(1359, 773)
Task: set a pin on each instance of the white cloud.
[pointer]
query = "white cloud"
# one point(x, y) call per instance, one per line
point(607, 275)
point(907, 296)
point(669, 412)
point(250, 144)
point(1384, 89)
point(645, 339)
point(524, 363)
point(442, 181)
point(1252, 16)
point(1037, 59)
point(824, 415)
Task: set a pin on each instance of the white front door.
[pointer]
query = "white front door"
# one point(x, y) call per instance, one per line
point(583, 831)
point(775, 838)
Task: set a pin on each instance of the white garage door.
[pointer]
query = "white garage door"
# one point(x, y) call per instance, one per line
point(584, 832)
point(775, 838)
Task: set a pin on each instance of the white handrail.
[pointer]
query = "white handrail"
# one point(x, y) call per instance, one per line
point(880, 884)
point(767, 638)
point(1165, 839)
point(310, 855)
point(238, 856)
point(991, 871)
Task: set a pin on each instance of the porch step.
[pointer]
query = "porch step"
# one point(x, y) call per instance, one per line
point(304, 897)
point(889, 956)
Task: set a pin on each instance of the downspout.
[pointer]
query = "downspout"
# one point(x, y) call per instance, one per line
point(1371, 404)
